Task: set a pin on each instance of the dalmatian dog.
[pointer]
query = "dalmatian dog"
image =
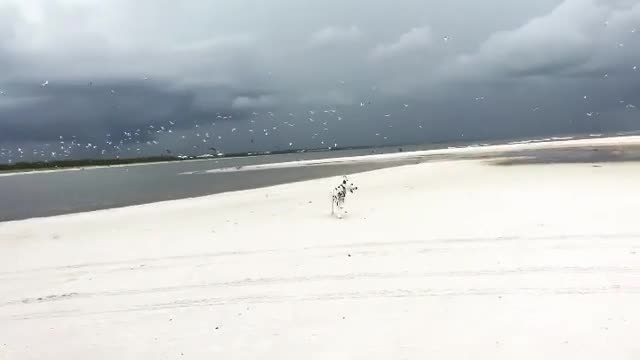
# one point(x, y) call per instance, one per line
point(338, 196)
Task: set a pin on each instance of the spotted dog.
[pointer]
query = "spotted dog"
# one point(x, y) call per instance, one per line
point(339, 194)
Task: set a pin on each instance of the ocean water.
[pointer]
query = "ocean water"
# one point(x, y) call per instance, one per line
point(35, 194)
point(52, 193)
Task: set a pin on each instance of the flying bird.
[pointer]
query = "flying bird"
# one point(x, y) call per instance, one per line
point(45, 83)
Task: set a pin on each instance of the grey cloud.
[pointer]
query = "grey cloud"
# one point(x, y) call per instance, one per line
point(92, 111)
point(246, 102)
point(418, 38)
point(332, 35)
point(577, 35)
point(205, 59)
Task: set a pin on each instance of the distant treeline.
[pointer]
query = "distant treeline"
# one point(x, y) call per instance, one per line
point(57, 164)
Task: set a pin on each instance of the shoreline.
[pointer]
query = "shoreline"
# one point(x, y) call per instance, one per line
point(499, 150)
point(435, 146)
point(87, 191)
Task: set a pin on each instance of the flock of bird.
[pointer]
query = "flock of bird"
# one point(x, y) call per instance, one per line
point(203, 136)
point(206, 136)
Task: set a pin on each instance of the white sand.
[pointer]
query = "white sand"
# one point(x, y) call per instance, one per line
point(448, 260)
point(551, 143)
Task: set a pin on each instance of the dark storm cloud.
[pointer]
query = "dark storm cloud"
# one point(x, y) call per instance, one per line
point(90, 111)
point(497, 69)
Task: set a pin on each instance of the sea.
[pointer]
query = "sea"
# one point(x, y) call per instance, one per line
point(47, 193)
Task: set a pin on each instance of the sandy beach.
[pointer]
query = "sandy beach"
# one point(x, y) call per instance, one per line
point(451, 259)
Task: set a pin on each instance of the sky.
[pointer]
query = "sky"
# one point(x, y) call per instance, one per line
point(94, 78)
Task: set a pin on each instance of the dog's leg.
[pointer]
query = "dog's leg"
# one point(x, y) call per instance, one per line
point(340, 205)
point(333, 201)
